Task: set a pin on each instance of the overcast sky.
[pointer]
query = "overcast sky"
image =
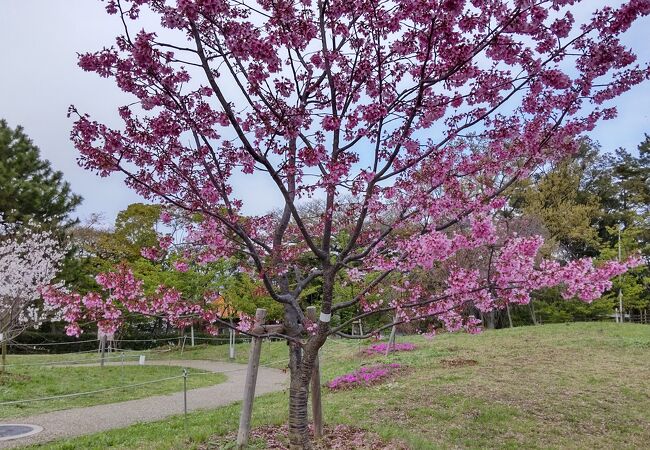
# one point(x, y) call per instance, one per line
point(39, 79)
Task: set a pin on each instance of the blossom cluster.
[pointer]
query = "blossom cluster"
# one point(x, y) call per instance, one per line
point(123, 295)
point(364, 376)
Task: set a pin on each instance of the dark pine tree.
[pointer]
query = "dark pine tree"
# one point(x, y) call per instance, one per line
point(29, 187)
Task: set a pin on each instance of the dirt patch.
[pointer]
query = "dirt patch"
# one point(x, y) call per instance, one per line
point(8, 378)
point(458, 362)
point(339, 437)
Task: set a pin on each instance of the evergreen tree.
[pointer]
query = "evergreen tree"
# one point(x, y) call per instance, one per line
point(558, 199)
point(29, 187)
point(582, 202)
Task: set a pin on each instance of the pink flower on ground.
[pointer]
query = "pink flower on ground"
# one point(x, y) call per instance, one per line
point(380, 348)
point(364, 376)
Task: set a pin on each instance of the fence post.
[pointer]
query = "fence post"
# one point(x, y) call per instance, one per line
point(192, 334)
point(316, 403)
point(231, 343)
point(249, 387)
point(185, 373)
point(102, 349)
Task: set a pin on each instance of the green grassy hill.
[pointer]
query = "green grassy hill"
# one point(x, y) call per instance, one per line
point(579, 385)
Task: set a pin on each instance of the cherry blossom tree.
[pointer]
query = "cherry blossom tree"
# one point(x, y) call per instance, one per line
point(364, 105)
point(29, 260)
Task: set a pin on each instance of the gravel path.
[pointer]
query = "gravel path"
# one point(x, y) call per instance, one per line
point(92, 419)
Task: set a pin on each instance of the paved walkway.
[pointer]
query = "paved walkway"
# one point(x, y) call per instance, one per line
point(92, 419)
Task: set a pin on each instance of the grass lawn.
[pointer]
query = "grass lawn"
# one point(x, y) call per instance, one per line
point(29, 382)
point(581, 385)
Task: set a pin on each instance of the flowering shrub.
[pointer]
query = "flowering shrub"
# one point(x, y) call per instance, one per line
point(380, 348)
point(365, 376)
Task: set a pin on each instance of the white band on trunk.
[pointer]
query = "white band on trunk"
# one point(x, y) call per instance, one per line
point(325, 317)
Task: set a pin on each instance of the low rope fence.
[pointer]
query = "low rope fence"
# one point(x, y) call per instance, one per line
point(71, 361)
point(48, 344)
point(96, 391)
point(185, 375)
point(251, 369)
point(90, 345)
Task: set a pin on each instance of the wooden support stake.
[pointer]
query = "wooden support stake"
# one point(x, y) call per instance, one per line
point(316, 403)
point(249, 387)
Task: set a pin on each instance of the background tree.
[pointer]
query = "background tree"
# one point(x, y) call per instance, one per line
point(29, 188)
point(363, 100)
point(621, 182)
point(582, 202)
point(556, 196)
point(29, 260)
point(136, 229)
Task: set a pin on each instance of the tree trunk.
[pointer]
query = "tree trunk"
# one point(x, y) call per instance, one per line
point(489, 320)
point(4, 356)
point(4, 337)
point(391, 339)
point(509, 316)
point(532, 312)
point(302, 358)
point(298, 399)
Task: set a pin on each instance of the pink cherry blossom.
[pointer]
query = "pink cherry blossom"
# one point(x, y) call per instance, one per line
point(356, 115)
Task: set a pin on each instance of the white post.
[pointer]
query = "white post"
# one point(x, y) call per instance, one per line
point(231, 343)
point(192, 334)
point(620, 291)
